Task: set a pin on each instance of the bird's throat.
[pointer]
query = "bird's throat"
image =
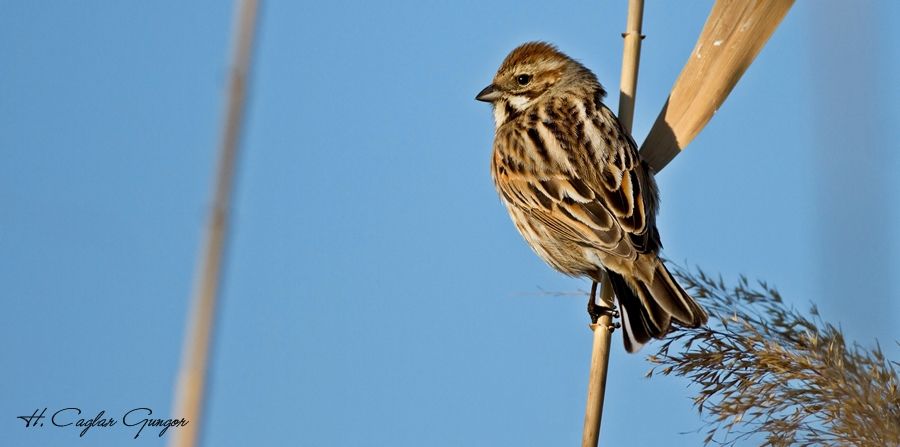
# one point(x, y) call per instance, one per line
point(508, 108)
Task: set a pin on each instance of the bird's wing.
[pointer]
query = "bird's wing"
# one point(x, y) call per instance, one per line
point(624, 183)
point(601, 198)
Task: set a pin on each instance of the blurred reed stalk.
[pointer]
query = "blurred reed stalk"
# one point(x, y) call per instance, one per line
point(603, 329)
point(192, 379)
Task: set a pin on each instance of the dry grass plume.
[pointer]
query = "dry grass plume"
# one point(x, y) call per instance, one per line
point(767, 372)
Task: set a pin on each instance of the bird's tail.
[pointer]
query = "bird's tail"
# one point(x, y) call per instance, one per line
point(648, 309)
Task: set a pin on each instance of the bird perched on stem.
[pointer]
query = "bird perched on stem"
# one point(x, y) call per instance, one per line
point(576, 188)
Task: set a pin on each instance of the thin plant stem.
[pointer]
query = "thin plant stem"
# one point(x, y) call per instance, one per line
point(192, 379)
point(603, 329)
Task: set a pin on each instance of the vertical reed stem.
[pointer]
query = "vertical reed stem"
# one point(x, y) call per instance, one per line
point(603, 328)
point(192, 378)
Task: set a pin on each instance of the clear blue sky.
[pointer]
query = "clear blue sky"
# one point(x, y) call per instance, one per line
point(376, 291)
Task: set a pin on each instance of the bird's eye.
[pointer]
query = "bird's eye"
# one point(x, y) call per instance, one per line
point(523, 79)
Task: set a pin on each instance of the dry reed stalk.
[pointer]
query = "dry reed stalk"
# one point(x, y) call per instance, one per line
point(603, 328)
point(191, 387)
point(733, 35)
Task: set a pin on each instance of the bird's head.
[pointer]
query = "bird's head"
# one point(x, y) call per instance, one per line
point(530, 72)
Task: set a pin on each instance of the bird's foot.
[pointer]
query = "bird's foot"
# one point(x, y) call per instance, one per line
point(596, 311)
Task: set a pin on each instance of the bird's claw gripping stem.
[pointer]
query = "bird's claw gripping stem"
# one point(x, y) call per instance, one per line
point(596, 311)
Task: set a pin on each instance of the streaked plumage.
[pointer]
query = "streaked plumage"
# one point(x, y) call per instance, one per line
point(577, 190)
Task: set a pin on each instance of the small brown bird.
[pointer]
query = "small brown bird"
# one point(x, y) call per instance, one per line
point(576, 188)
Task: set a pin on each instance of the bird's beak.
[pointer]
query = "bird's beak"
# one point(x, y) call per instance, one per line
point(490, 94)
